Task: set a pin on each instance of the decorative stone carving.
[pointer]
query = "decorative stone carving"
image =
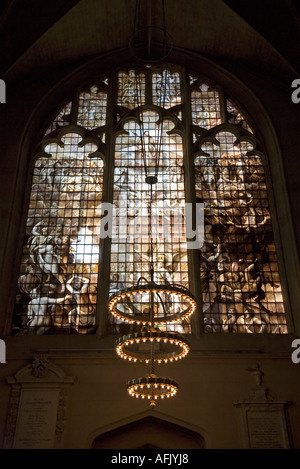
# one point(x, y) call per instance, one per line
point(40, 367)
point(259, 392)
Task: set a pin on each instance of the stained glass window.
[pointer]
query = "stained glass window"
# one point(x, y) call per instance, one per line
point(222, 168)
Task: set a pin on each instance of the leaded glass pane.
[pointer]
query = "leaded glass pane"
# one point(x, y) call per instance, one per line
point(131, 89)
point(205, 103)
point(235, 117)
point(92, 108)
point(166, 90)
point(192, 79)
point(62, 118)
point(57, 285)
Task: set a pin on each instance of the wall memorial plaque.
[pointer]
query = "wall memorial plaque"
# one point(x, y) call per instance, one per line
point(36, 421)
point(262, 419)
point(37, 407)
point(267, 429)
point(263, 424)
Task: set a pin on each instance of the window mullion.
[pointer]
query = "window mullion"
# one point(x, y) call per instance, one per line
point(107, 198)
point(193, 260)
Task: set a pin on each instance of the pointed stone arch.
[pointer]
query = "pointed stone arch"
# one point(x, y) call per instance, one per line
point(149, 432)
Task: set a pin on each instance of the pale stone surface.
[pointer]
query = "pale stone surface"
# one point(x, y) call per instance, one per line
point(36, 419)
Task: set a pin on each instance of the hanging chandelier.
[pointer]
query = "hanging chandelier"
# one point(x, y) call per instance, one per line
point(148, 304)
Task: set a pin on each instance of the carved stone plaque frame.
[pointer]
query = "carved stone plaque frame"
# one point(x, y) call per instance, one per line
point(263, 424)
point(37, 407)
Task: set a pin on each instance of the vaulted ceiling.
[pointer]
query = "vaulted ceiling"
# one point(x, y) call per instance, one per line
point(259, 35)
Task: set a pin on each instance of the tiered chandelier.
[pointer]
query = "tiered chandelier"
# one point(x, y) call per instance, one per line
point(147, 304)
point(151, 345)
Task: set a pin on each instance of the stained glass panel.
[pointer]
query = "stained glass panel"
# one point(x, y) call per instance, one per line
point(235, 117)
point(92, 108)
point(62, 118)
point(166, 89)
point(131, 246)
point(239, 269)
point(205, 103)
point(131, 89)
point(57, 286)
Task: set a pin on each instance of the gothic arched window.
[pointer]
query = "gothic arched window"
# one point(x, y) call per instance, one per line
point(92, 155)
